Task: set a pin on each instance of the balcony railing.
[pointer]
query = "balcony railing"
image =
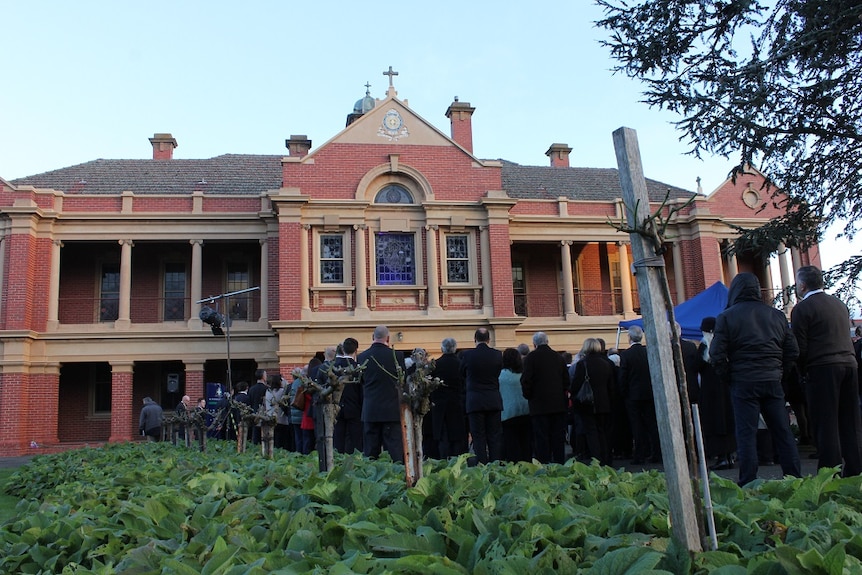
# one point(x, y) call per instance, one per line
point(143, 310)
point(587, 303)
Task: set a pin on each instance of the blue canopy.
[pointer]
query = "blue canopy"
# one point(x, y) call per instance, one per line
point(689, 314)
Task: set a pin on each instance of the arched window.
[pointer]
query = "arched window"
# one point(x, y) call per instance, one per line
point(393, 194)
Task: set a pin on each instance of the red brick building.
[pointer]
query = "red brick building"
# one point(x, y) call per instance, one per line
point(391, 221)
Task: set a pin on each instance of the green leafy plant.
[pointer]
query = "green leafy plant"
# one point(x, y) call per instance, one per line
point(157, 508)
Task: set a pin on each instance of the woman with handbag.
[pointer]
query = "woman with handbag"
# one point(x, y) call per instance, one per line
point(591, 388)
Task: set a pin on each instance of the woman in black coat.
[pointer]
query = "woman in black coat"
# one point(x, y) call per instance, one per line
point(596, 417)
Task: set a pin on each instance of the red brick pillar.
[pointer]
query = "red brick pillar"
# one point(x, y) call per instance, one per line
point(123, 426)
point(195, 388)
point(44, 401)
point(13, 400)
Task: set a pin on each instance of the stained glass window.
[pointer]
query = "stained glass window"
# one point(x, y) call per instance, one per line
point(393, 194)
point(332, 259)
point(396, 261)
point(457, 262)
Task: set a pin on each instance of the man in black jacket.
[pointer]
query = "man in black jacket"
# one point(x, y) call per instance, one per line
point(820, 322)
point(636, 390)
point(256, 395)
point(448, 415)
point(751, 346)
point(381, 405)
point(544, 382)
point(481, 367)
point(347, 436)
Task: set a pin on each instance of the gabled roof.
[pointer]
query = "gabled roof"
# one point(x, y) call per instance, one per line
point(237, 174)
point(599, 184)
point(244, 174)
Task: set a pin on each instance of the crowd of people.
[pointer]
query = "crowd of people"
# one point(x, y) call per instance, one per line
point(525, 403)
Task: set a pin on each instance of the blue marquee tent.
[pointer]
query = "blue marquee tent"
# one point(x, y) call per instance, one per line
point(709, 302)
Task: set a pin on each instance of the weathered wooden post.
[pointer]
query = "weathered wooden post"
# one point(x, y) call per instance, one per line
point(267, 437)
point(683, 507)
point(416, 389)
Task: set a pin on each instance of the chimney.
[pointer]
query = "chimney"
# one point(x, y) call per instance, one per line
point(559, 154)
point(298, 145)
point(460, 114)
point(163, 146)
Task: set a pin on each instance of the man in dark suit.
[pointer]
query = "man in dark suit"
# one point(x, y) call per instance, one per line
point(381, 405)
point(448, 415)
point(481, 367)
point(544, 382)
point(348, 425)
point(256, 395)
point(636, 389)
point(820, 322)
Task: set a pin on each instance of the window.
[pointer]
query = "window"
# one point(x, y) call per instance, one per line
point(100, 375)
point(238, 278)
point(175, 292)
point(396, 260)
point(519, 288)
point(457, 258)
point(393, 194)
point(109, 292)
point(332, 259)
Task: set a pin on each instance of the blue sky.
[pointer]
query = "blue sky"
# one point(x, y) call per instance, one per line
point(94, 79)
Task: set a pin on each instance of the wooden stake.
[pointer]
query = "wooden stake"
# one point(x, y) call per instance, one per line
point(683, 508)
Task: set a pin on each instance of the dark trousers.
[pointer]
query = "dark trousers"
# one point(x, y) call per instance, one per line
point(598, 430)
point(283, 436)
point(644, 429)
point(487, 431)
point(303, 439)
point(347, 436)
point(549, 437)
point(381, 435)
point(833, 406)
point(518, 439)
point(751, 399)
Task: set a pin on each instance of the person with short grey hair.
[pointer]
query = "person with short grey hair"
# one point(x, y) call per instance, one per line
point(448, 411)
point(636, 387)
point(544, 383)
point(448, 345)
point(381, 405)
point(151, 420)
point(826, 359)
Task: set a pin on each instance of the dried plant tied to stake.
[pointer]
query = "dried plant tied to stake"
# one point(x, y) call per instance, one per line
point(416, 388)
point(327, 395)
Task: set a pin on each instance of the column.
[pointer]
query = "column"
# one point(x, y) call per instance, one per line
point(784, 272)
point(125, 304)
point(123, 425)
point(196, 282)
point(568, 281)
point(795, 257)
point(305, 306)
point(626, 280)
point(677, 272)
point(732, 267)
point(264, 281)
point(485, 251)
point(768, 289)
point(433, 280)
point(53, 286)
point(361, 299)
